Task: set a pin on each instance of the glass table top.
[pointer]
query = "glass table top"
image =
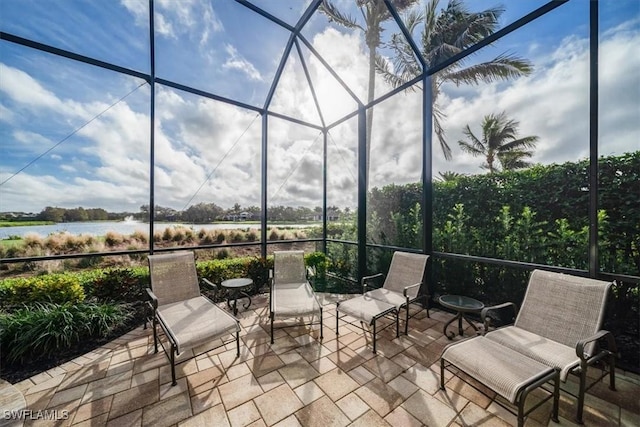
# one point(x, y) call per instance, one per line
point(461, 303)
point(237, 283)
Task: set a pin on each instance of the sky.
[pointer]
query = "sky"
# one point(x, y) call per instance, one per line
point(73, 135)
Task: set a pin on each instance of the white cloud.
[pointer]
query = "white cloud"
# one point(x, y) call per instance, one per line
point(201, 142)
point(24, 89)
point(175, 17)
point(235, 61)
point(553, 104)
point(28, 138)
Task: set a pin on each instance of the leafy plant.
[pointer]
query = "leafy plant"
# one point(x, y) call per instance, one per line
point(44, 329)
point(258, 271)
point(121, 285)
point(55, 288)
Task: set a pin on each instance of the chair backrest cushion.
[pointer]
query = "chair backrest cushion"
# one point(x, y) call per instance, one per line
point(173, 277)
point(405, 269)
point(288, 267)
point(563, 308)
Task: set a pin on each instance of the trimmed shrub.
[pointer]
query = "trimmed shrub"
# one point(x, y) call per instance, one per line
point(258, 270)
point(55, 288)
point(121, 285)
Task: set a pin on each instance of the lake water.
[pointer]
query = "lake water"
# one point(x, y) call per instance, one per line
point(122, 227)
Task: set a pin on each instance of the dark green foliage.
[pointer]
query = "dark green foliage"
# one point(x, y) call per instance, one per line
point(45, 329)
point(536, 215)
point(317, 262)
point(258, 271)
point(121, 285)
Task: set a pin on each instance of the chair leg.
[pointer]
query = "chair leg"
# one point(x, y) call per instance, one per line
point(406, 325)
point(374, 335)
point(321, 335)
point(441, 373)
point(612, 371)
point(398, 325)
point(272, 327)
point(237, 343)
point(556, 399)
point(426, 305)
point(173, 365)
point(337, 318)
point(581, 392)
point(155, 334)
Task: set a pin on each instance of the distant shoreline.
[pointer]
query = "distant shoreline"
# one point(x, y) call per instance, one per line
point(24, 223)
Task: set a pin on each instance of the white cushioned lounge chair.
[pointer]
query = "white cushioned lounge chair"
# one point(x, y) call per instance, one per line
point(291, 294)
point(559, 326)
point(187, 318)
point(402, 284)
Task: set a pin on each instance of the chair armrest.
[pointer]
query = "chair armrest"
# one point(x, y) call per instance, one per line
point(486, 321)
point(611, 343)
point(365, 279)
point(209, 283)
point(406, 288)
point(153, 299)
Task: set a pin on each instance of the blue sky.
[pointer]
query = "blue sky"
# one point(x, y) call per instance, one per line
point(209, 151)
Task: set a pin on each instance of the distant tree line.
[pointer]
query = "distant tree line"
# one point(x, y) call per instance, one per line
point(78, 214)
point(201, 213)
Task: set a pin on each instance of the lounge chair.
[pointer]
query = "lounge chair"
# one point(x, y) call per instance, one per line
point(558, 326)
point(367, 310)
point(187, 318)
point(402, 284)
point(291, 294)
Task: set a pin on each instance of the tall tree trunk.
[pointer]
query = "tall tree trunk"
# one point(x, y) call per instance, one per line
point(370, 96)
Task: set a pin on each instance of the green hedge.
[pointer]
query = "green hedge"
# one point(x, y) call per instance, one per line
point(55, 288)
point(128, 284)
point(537, 215)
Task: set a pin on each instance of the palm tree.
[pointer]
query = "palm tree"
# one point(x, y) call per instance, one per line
point(445, 34)
point(499, 142)
point(449, 176)
point(375, 12)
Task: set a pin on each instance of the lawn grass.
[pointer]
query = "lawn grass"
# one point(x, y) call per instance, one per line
point(9, 243)
point(24, 223)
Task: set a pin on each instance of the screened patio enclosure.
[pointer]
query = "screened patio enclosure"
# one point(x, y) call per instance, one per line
point(336, 127)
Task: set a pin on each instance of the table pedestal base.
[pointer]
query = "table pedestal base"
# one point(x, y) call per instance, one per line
point(234, 295)
point(459, 316)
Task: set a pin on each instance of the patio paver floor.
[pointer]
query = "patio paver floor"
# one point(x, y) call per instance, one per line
point(297, 381)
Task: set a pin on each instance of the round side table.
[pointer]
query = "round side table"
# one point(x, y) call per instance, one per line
point(461, 305)
point(236, 289)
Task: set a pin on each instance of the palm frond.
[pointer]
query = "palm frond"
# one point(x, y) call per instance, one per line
point(503, 67)
point(474, 146)
point(412, 19)
point(440, 134)
point(528, 142)
point(335, 15)
point(383, 68)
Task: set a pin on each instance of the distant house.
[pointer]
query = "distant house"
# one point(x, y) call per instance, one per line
point(241, 216)
point(332, 215)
